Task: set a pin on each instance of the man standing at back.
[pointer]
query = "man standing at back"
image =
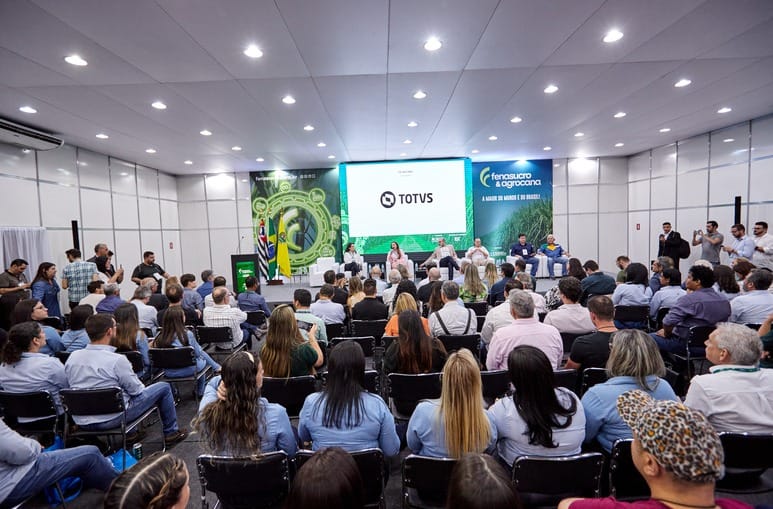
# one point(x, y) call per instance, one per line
point(99, 250)
point(710, 242)
point(742, 246)
point(76, 277)
point(668, 243)
point(149, 268)
point(763, 246)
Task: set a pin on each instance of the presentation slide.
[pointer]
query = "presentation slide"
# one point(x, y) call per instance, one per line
point(413, 203)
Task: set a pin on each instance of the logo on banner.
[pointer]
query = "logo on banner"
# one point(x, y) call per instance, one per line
point(388, 199)
point(484, 176)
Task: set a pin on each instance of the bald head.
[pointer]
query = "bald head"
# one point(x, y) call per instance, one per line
point(433, 274)
point(220, 295)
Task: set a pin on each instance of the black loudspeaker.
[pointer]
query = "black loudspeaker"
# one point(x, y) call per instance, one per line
point(737, 210)
point(76, 243)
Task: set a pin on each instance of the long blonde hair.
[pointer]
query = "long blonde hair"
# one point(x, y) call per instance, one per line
point(491, 275)
point(461, 405)
point(282, 338)
point(472, 285)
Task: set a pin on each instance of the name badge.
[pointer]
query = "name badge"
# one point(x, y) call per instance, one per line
point(525, 252)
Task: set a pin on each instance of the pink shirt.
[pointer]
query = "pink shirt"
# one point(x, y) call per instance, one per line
point(525, 331)
point(393, 260)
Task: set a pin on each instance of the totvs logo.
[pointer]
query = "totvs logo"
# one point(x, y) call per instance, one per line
point(389, 199)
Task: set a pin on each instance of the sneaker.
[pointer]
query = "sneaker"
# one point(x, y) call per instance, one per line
point(175, 437)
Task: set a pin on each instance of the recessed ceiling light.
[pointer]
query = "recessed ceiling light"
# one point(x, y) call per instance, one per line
point(244, 180)
point(260, 159)
point(331, 156)
point(619, 114)
point(728, 140)
point(102, 136)
point(613, 35)
point(288, 99)
point(556, 165)
point(551, 89)
point(403, 154)
point(665, 130)
point(419, 94)
point(75, 60)
point(682, 83)
point(28, 109)
point(124, 174)
point(516, 120)
point(205, 132)
point(579, 135)
point(407, 141)
point(253, 51)
point(547, 148)
point(413, 123)
point(322, 144)
point(236, 148)
point(619, 144)
point(188, 162)
point(474, 151)
point(158, 105)
point(150, 150)
point(433, 44)
point(308, 127)
point(492, 138)
point(724, 110)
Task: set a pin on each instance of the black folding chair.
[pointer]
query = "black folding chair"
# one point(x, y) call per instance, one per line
point(481, 321)
point(405, 392)
point(36, 405)
point(289, 392)
point(241, 483)
point(542, 316)
point(368, 343)
point(62, 356)
point(747, 457)
point(625, 482)
point(425, 481)
point(373, 328)
point(568, 340)
point(371, 381)
point(535, 478)
point(591, 377)
point(696, 340)
point(496, 384)
point(662, 312)
point(469, 341)
point(177, 358)
point(335, 330)
point(256, 318)
point(480, 308)
point(633, 314)
point(566, 378)
point(371, 465)
point(214, 336)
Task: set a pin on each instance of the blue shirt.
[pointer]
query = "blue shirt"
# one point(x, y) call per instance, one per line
point(427, 436)
point(109, 304)
point(377, 428)
point(329, 311)
point(630, 294)
point(701, 307)
point(666, 297)
point(655, 283)
point(751, 307)
point(524, 250)
point(53, 341)
point(35, 372)
point(205, 289)
point(602, 420)
point(497, 291)
point(253, 301)
point(744, 247)
point(192, 299)
point(75, 339)
point(48, 294)
point(275, 431)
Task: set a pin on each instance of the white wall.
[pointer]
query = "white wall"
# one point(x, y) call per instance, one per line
point(127, 206)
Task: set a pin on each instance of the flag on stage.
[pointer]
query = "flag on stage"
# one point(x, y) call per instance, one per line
point(282, 251)
point(263, 251)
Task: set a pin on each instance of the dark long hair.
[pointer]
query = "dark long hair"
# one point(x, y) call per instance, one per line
point(315, 488)
point(173, 327)
point(535, 397)
point(41, 274)
point(637, 274)
point(478, 481)
point(22, 311)
point(343, 405)
point(128, 326)
point(725, 277)
point(575, 269)
point(19, 340)
point(79, 315)
point(414, 347)
point(405, 286)
point(435, 301)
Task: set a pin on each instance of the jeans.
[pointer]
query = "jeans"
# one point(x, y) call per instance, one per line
point(677, 345)
point(353, 267)
point(85, 462)
point(157, 394)
point(534, 264)
point(552, 261)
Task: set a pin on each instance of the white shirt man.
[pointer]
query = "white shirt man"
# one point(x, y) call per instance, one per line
point(331, 312)
point(477, 253)
point(452, 318)
point(763, 246)
point(375, 274)
point(498, 316)
point(146, 314)
point(571, 317)
point(221, 314)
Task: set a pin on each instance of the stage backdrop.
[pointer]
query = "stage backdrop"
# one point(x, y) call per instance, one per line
point(304, 199)
point(512, 197)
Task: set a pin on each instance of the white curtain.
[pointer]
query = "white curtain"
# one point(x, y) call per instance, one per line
point(29, 244)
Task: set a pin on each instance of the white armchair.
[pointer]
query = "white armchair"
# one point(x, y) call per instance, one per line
point(316, 270)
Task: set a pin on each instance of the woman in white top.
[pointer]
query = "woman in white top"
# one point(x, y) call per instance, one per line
point(540, 419)
point(352, 259)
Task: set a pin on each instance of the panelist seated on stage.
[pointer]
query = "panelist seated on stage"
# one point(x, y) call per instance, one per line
point(444, 255)
point(526, 252)
point(478, 254)
point(556, 254)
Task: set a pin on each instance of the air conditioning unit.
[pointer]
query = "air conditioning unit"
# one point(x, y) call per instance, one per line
point(16, 134)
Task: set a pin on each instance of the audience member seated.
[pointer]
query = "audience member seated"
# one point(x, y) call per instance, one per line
point(725, 283)
point(221, 314)
point(174, 335)
point(370, 308)
point(433, 274)
point(472, 289)
point(670, 291)
point(159, 481)
point(344, 414)
point(592, 350)
point(701, 306)
point(635, 292)
point(191, 298)
point(33, 310)
point(235, 420)
point(395, 257)
point(571, 317)
point(677, 452)
point(352, 259)
point(286, 353)
point(742, 268)
point(95, 296)
point(157, 299)
point(129, 337)
point(622, 262)
point(220, 282)
point(340, 295)
point(414, 351)
point(453, 318)
point(575, 269)
point(525, 330)
point(634, 363)
point(305, 319)
point(46, 289)
point(75, 337)
point(555, 254)
point(497, 290)
point(250, 300)
point(456, 423)
point(404, 286)
point(174, 294)
point(499, 316)
point(490, 276)
point(394, 278)
point(25, 470)
point(540, 306)
point(112, 298)
point(146, 315)
point(375, 275)
point(479, 481)
point(736, 395)
point(98, 366)
point(356, 293)
point(477, 254)
point(463, 263)
point(766, 336)
point(540, 418)
point(314, 488)
point(208, 283)
point(658, 266)
point(757, 303)
point(25, 369)
point(435, 302)
point(326, 309)
point(405, 302)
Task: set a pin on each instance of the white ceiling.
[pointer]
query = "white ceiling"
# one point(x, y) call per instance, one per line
point(353, 66)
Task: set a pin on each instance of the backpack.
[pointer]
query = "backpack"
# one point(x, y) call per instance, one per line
point(684, 249)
